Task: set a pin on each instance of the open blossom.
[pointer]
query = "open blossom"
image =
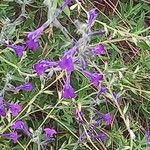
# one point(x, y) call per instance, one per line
point(99, 50)
point(18, 49)
point(95, 78)
point(33, 38)
point(49, 133)
point(102, 137)
point(43, 65)
point(12, 136)
point(25, 87)
point(20, 125)
point(68, 91)
point(91, 17)
point(107, 118)
point(15, 109)
point(67, 62)
point(103, 90)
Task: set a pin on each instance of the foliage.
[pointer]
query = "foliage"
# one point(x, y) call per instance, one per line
point(123, 30)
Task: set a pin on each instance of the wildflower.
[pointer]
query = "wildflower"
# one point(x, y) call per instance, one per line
point(95, 78)
point(148, 137)
point(91, 17)
point(66, 63)
point(19, 49)
point(15, 109)
point(43, 65)
point(25, 87)
point(20, 125)
point(99, 50)
point(68, 91)
point(107, 118)
point(102, 137)
point(68, 2)
point(2, 107)
point(103, 90)
point(97, 123)
point(12, 136)
point(49, 133)
point(33, 38)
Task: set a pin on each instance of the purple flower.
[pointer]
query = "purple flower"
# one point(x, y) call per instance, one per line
point(103, 90)
point(68, 2)
point(19, 49)
point(43, 65)
point(107, 118)
point(33, 39)
point(20, 125)
point(66, 63)
point(12, 136)
point(33, 45)
point(99, 50)
point(95, 78)
point(15, 109)
point(97, 123)
point(91, 17)
point(2, 107)
point(148, 137)
point(102, 137)
point(68, 91)
point(49, 133)
point(25, 87)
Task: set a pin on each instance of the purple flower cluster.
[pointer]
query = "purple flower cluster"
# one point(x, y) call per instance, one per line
point(19, 125)
point(32, 39)
point(92, 133)
point(66, 63)
point(14, 108)
point(69, 62)
point(32, 42)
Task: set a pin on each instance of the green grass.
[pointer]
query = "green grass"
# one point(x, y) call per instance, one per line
point(126, 68)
